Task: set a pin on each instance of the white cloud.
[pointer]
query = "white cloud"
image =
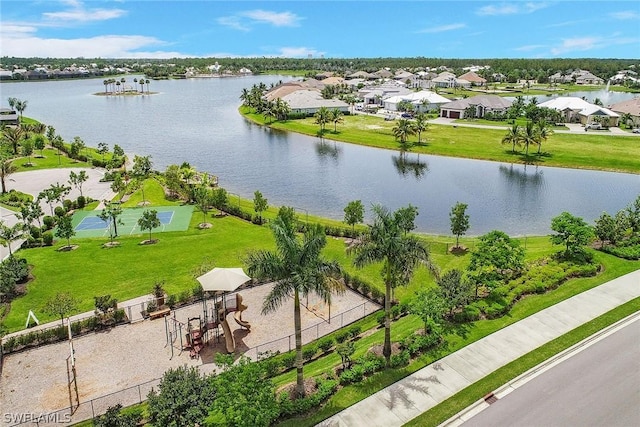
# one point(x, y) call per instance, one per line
point(13, 28)
point(298, 52)
point(581, 44)
point(625, 15)
point(78, 13)
point(511, 8)
point(442, 28)
point(283, 19)
point(530, 47)
point(232, 22)
point(244, 21)
point(107, 46)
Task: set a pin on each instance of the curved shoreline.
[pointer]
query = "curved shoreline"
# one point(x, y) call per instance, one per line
point(427, 149)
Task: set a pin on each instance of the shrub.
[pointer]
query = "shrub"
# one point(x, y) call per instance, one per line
point(353, 375)
point(380, 318)
point(171, 300)
point(119, 315)
point(289, 359)
point(400, 359)
point(309, 351)
point(469, 314)
point(325, 344)
point(395, 312)
point(49, 222)
point(354, 331)
point(59, 211)
point(82, 202)
point(47, 238)
point(341, 336)
point(67, 205)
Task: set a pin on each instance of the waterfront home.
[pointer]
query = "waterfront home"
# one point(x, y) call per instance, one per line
point(483, 104)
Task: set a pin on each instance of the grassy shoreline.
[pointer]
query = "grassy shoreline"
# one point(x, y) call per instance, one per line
point(576, 151)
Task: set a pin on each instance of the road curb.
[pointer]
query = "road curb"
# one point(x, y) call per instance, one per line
point(481, 404)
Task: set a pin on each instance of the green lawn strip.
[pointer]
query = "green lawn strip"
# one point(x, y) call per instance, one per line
point(600, 152)
point(49, 160)
point(457, 337)
point(491, 382)
point(153, 195)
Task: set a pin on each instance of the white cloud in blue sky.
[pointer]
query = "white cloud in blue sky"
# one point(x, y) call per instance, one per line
point(384, 28)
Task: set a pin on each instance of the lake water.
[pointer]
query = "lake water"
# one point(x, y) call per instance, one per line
point(197, 121)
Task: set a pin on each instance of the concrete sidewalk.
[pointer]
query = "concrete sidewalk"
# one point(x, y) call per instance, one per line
point(433, 384)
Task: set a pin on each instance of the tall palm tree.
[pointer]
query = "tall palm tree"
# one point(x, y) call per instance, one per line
point(105, 83)
point(147, 83)
point(336, 117)
point(403, 130)
point(298, 269)
point(142, 85)
point(12, 102)
point(421, 124)
point(20, 107)
point(400, 254)
point(122, 81)
point(544, 132)
point(512, 137)
point(323, 116)
point(117, 85)
point(135, 81)
point(529, 135)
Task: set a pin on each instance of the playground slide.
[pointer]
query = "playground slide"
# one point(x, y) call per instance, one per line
point(238, 318)
point(228, 336)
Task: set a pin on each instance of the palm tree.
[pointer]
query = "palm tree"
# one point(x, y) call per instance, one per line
point(6, 168)
point(399, 253)
point(122, 81)
point(142, 85)
point(403, 130)
point(13, 136)
point(336, 117)
point(20, 107)
point(12, 102)
point(544, 132)
point(298, 269)
point(512, 137)
point(10, 234)
point(421, 124)
point(105, 83)
point(117, 85)
point(323, 116)
point(147, 83)
point(529, 135)
point(626, 118)
point(135, 80)
point(245, 96)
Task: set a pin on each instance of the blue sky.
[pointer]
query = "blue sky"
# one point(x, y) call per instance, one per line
point(333, 29)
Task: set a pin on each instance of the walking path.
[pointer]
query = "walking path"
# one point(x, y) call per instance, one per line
point(433, 384)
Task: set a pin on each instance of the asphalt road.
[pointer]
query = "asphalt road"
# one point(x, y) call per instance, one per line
point(599, 386)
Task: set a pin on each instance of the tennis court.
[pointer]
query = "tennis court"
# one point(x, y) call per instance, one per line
point(172, 218)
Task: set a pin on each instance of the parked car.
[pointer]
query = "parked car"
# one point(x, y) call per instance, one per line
point(636, 130)
point(594, 126)
point(407, 116)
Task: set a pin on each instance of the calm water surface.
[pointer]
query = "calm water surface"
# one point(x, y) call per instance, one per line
point(197, 121)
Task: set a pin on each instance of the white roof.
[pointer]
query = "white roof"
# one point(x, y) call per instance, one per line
point(563, 103)
point(431, 97)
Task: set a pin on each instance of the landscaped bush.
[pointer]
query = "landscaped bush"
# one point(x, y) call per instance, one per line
point(81, 202)
point(49, 222)
point(401, 359)
point(353, 375)
point(289, 359)
point(380, 318)
point(289, 407)
point(354, 331)
point(59, 211)
point(342, 336)
point(626, 252)
point(325, 344)
point(47, 238)
point(309, 351)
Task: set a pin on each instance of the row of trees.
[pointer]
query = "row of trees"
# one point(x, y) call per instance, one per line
point(118, 85)
point(532, 133)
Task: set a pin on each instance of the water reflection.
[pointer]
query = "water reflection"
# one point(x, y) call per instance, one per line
point(328, 150)
point(410, 166)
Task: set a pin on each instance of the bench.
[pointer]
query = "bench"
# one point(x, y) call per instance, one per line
point(159, 313)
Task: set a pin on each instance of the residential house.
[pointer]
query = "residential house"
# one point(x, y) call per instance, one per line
point(8, 117)
point(577, 110)
point(581, 77)
point(483, 104)
point(422, 101)
point(309, 101)
point(631, 107)
point(473, 78)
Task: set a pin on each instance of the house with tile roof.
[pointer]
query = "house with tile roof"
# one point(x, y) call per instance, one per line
point(483, 104)
point(577, 110)
point(309, 101)
point(422, 101)
point(631, 107)
point(475, 79)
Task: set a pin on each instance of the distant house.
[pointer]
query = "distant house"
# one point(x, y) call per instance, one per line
point(483, 104)
point(362, 75)
point(581, 77)
point(577, 110)
point(376, 94)
point(309, 101)
point(8, 117)
point(473, 78)
point(383, 74)
point(631, 107)
point(422, 101)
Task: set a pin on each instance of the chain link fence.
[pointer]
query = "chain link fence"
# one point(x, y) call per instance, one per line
point(138, 394)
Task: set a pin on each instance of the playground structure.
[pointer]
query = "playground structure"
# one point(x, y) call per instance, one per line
point(200, 330)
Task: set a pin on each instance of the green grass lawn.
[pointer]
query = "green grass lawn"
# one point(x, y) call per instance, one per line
point(600, 152)
point(48, 159)
point(456, 338)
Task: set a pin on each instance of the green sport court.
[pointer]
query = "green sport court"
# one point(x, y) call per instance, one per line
point(172, 218)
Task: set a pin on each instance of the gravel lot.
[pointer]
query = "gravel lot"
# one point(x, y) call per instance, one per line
point(35, 381)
